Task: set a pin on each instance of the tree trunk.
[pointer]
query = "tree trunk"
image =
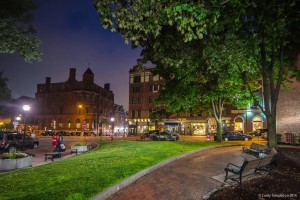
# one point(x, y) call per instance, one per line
point(217, 107)
point(272, 140)
point(219, 130)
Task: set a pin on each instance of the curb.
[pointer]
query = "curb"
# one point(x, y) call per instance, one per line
point(126, 182)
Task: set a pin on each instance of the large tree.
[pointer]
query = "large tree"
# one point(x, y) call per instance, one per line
point(16, 31)
point(5, 94)
point(271, 29)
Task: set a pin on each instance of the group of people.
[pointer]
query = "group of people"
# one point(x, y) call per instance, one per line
point(57, 143)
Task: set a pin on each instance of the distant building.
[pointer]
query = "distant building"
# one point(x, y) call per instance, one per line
point(74, 105)
point(121, 120)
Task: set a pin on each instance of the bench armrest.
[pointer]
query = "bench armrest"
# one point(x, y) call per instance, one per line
point(233, 165)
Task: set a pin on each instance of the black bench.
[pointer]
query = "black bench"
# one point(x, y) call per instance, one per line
point(265, 163)
point(74, 151)
point(52, 156)
point(256, 148)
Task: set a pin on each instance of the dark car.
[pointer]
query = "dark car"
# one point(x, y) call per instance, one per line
point(10, 140)
point(147, 135)
point(164, 136)
point(48, 133)
point(236, 136)
point(262, 132)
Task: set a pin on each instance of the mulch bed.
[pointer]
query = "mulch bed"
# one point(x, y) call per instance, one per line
point(284, 183)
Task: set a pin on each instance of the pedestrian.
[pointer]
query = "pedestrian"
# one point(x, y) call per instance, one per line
point(55, 139)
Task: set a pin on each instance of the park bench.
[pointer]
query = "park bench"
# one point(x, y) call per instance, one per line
point(74, 151)
point(265, 163)
point(52, 156)
point(256, 148)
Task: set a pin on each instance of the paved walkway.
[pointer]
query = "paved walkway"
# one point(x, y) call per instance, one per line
point(188, 178)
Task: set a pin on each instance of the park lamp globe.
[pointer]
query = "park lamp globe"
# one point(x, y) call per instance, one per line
point(26, 107)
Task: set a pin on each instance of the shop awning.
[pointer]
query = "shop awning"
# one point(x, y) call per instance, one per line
point(171, 124)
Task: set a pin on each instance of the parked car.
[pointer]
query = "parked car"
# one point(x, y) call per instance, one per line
point(262, 132)
point(48, 133)
point(11, 140)
point(164, 135)
point(147, 135)
point(236, 136)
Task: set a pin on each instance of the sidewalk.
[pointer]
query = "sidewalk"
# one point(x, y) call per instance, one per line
point(186, 178)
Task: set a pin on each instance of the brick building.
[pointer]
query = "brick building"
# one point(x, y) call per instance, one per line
point(288, 112)
point(74, 105)
point(144, 88)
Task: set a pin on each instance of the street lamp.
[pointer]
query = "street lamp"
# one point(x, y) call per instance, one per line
point(113, 127)
point(26, 108)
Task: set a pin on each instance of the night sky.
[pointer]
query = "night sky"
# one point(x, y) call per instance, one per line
point(72, 37)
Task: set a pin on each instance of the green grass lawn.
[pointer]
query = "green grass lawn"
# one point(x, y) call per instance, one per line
point(86, 175)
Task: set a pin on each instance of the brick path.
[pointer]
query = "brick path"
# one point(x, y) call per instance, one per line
point(188, 178)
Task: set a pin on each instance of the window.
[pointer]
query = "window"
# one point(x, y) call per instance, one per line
point(139, 113)
point(139, 100)
point(151, 77)
point(133, 100)
point(136, 89)
point(61, 110)
point(137, 79)
point(133, 114)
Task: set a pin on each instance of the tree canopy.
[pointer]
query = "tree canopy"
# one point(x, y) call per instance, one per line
point(16, 31)
point(206, 39)
point(5, 93)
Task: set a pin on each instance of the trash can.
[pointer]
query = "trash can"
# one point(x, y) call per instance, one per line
point(215, 137)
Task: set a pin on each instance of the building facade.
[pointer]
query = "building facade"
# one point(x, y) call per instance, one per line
point(74, 105)
point(120, 120)
point(144, 88)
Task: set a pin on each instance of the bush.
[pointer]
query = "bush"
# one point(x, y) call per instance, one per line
point(278, 137)
point(14, 155)
point(80, 144)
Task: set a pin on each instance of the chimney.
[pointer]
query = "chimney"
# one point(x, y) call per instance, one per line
point(72, 76)
point(48, 80)
point(106, 86)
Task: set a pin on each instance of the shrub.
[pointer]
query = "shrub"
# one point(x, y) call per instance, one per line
point(278, 136)
point(79, 144)
point(14, 155)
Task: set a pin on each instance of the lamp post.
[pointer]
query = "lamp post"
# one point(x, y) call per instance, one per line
point(26, 108)
point(112, 127)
